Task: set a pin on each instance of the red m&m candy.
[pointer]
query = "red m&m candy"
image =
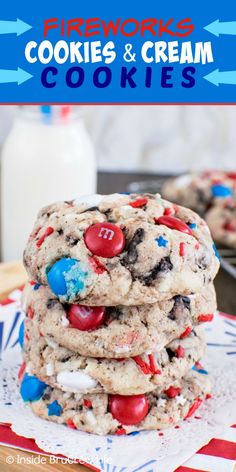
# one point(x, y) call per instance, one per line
point(231, 175)
point(174, 223)
point(128, 410)
point(86, 318)
point(104, 239)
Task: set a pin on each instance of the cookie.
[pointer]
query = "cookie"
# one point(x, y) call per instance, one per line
point(120, 249)
point(68, 371)
point(222, 222)
point(200, 191)
point(115, 414)
point(125, 331)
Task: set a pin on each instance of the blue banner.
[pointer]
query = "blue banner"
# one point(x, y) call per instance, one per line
point(118, 52)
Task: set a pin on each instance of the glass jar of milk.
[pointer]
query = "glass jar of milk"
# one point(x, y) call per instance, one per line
point(48, 156)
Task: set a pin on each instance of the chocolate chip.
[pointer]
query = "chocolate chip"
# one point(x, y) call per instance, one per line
point(69, 202)
point(107, 212)
point(65, 359)
point(164, 265)
point(201, 196)
point(131, 255)
point(47, 395)
point(202, 263)
point(51, 303)
point(94, 208)
point(71, 240)
point(170, 353)
point(185, 301)
point(180, 303)
point(60, 231)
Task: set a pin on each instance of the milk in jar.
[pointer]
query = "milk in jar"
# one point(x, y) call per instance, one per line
point(47, 157)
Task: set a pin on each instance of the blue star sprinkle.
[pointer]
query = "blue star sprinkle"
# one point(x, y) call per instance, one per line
point(161, 241)
point(192, 225)
point(54, 409)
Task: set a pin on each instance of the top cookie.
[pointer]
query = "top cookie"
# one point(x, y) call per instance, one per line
point(120, 249)
point(200, 190)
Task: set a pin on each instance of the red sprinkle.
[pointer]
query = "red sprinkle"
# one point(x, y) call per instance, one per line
point(193, 407)
point(34, 233)
point(30, 313)
point(65, 111)
point(139, 203)
point(231, 175)
point(180, 352)
point(47, 233)
point(87, 403)
point(177, 427)
point(71, 423)
point(182, 249)
point(153, 366)
point(205, 317)
point(229, 226)
point(160, 434)
point(97, 266)
point(169, 211)
point(208, 396)
point(197, 246)
point(7, 301)
point(186, 332)
point(174, 223)
point(32, 282)
point(143, 366)
point(21, 370)
point(147, 369)
point(172, 392)
point(120, 431)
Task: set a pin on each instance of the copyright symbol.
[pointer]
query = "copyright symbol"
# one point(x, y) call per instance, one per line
point(9, 459)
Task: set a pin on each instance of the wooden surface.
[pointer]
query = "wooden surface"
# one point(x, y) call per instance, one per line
point(20, 458)
point(12, 275)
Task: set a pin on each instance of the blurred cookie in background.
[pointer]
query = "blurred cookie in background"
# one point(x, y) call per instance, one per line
point(200, 191)
point(221, 219)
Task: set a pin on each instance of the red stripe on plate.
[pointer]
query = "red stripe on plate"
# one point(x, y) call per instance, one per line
point(220, 448)
point(226, 315)
point(188, 469)
point(8, 437)
point(7, 301)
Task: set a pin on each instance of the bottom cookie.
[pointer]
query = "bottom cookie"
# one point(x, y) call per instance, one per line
point(114, 414)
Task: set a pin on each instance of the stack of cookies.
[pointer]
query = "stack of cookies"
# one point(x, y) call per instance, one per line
point(120, 286)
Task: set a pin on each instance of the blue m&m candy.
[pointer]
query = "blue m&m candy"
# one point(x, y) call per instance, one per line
point(67, 277)
point(31, 388)
point(21, 334)
point(220, 190)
